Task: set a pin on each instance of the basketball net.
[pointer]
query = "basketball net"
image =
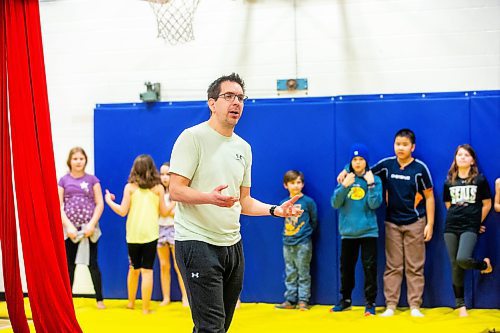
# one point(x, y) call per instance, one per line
point(175, 19)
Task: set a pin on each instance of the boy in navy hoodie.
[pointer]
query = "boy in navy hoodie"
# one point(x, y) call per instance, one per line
point(357, 198)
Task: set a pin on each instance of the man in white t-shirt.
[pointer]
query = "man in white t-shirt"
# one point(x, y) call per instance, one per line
point(210, 179)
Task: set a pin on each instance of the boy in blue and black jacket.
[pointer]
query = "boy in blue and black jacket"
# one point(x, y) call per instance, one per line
point(357, 198)
point(297, 245)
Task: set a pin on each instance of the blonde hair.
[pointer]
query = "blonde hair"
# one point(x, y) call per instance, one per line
point(72, 152)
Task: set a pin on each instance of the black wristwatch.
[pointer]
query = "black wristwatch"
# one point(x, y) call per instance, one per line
point(271, 211)
point(372, 185)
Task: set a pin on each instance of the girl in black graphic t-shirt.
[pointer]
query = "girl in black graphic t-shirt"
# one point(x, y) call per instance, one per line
point(468, 200)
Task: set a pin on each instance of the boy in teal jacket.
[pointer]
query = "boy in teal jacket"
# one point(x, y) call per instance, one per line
point(357, 199)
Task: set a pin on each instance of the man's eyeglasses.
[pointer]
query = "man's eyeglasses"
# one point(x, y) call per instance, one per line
point(229, 97)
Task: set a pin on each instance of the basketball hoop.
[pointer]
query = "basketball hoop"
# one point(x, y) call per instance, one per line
point(175, 19)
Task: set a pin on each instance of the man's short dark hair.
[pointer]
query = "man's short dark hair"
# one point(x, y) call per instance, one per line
point(406, 133)
point(292, 175)
point(214, 87)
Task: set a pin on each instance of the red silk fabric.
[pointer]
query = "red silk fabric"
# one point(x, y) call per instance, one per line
point(8, 234)
point(35, 179)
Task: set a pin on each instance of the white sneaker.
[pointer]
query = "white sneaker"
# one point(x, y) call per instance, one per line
point(415, 312)
point(387, 313)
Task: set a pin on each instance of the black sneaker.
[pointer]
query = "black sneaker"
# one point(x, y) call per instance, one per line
point(370, 309)
point(343, 305)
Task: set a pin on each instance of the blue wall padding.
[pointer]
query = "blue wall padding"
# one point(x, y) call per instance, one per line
point(314, 136)
point(485, 138)
point(375, 120)
point(294, 142)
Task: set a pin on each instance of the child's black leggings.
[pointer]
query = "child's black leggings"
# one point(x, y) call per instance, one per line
point(460, 247)
point(95, 273)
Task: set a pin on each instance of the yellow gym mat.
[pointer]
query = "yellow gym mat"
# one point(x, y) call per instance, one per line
point(264, 318)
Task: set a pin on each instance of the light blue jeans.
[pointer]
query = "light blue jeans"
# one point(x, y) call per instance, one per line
point(297, 269)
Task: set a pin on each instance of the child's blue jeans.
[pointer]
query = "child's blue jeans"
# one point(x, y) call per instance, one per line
point(297, 269)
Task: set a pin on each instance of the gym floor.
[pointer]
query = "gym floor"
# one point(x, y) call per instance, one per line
point(252, 317)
